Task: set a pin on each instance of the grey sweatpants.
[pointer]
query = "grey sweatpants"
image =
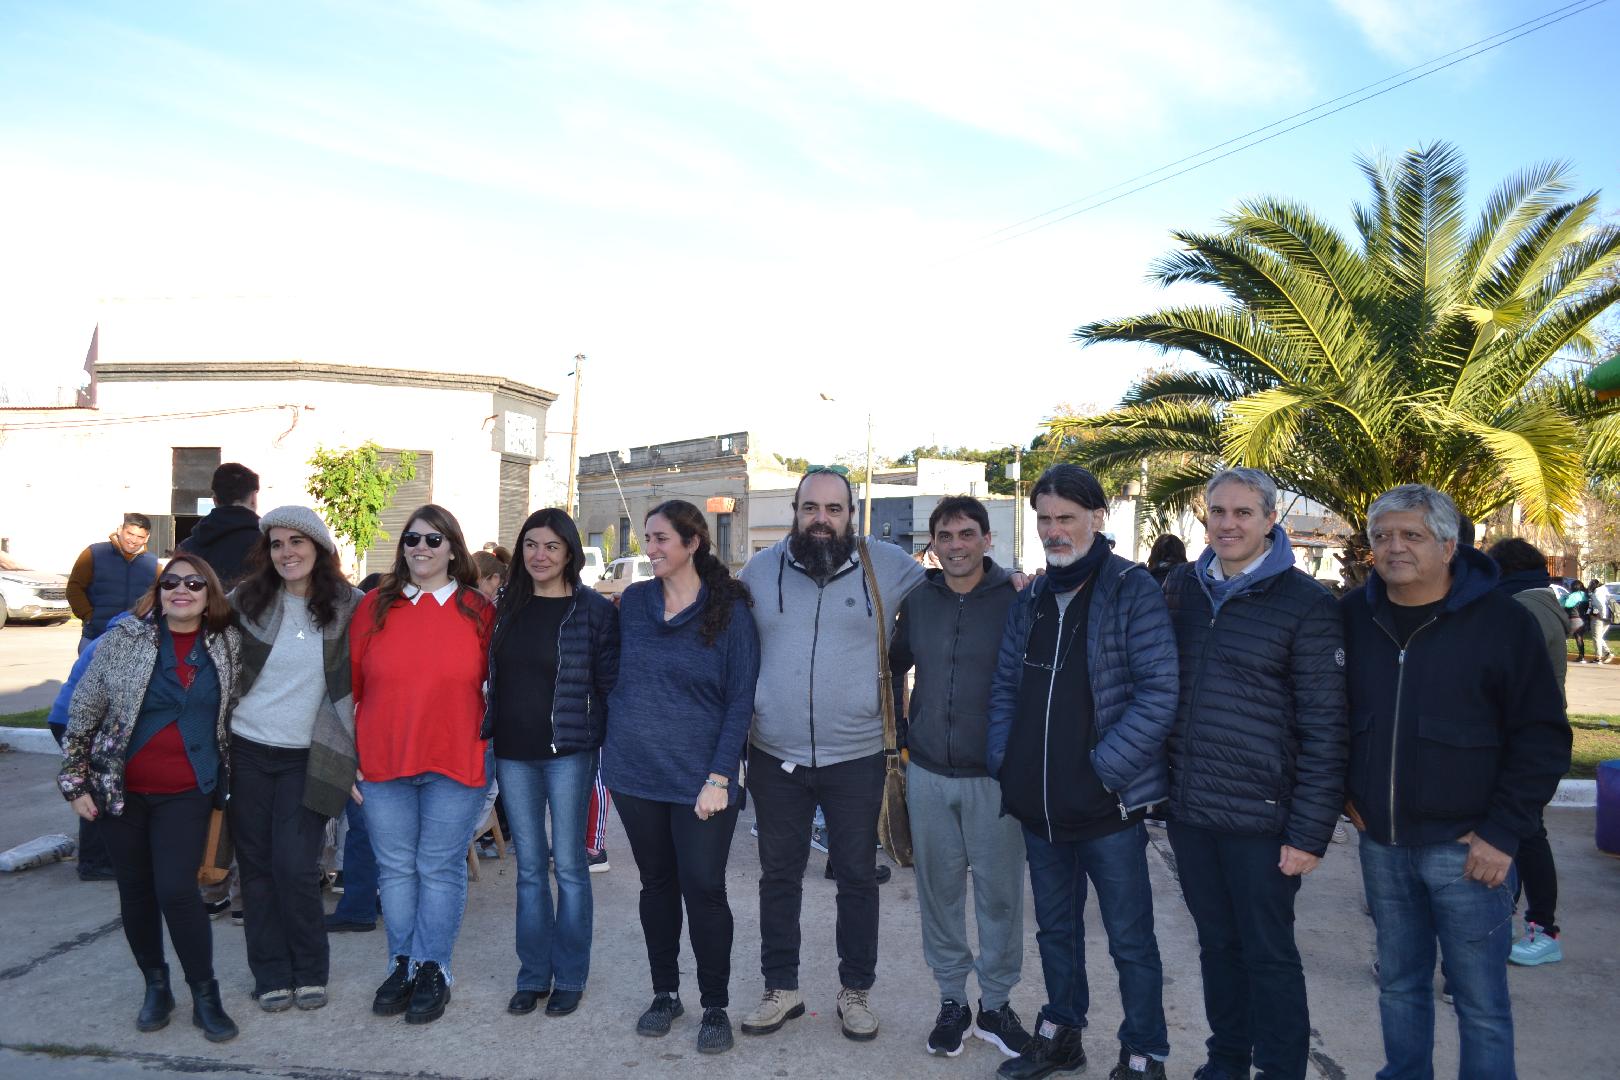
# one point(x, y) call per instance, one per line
point(957, 823)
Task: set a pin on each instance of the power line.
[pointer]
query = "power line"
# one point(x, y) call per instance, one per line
point(106, 421)
point(1540, 22)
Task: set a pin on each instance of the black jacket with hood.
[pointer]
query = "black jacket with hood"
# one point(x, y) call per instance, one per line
point(1463, 730)
point(223, 539)
point(952, 639)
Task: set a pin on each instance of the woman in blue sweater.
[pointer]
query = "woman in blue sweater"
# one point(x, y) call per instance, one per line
point(676, 728)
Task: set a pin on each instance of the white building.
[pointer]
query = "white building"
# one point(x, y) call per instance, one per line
point(155, 430)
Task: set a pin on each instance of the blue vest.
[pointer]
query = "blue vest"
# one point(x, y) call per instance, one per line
point(195, 710)
point(115, 584)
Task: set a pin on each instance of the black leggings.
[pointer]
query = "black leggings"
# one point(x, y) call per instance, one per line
point(1538, 879)
point(680, 856)
point(157, 846)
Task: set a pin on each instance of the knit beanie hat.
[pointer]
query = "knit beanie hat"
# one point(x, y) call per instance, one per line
point(299, 519)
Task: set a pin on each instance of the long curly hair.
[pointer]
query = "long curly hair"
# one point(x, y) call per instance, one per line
point(462, 570)
point(724, 590)
point(258, 589)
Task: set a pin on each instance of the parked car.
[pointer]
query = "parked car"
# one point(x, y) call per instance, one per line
point(595, 567)
point(31, 595)
point(622, 573)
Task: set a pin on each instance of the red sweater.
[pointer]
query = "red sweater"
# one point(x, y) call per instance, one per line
point(419, 688)
point(161, 767)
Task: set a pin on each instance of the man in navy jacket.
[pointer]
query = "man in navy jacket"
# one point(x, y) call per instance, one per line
point(1458, 739)
point(1257, 762)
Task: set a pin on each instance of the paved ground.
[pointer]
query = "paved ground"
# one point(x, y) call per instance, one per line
point(33, 662)
point(68, 990)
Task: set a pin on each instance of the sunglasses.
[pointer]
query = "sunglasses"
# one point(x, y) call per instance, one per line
point(193, 583)
point(841, 470)
point(411, 539)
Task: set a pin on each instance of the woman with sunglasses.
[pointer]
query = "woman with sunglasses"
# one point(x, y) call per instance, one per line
point(292, 748)
point(674, 740)
point(417, 648)
point(553, 661)
point(145, 754)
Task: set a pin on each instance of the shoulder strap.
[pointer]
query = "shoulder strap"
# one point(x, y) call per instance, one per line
point(885, 683)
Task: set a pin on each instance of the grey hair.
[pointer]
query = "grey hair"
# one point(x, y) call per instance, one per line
point(1253, 479)
point(1440, 514)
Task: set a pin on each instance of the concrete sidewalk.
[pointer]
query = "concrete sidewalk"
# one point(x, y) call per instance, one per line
point(69, 990)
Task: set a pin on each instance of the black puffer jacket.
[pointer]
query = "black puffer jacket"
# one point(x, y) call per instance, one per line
point(1260, 744)
point(587, 668)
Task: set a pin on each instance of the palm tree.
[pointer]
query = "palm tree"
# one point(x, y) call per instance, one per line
point(1425, 349)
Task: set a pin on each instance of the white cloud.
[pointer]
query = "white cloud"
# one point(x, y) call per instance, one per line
point(1410, 31)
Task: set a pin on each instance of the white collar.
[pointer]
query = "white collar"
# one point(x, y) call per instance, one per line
point(1218, 574)
point(442, 594)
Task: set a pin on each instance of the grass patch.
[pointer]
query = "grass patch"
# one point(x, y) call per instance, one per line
point(32, 718)
point(1597, 738)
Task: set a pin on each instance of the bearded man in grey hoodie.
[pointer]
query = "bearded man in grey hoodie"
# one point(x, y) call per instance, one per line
point(818, 738)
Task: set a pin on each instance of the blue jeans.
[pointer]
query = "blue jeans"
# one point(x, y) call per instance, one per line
point(1419, 895)
point(553, 942)
point(1254, 986)
point(419, 826)
point(1117, 867)
point(358, 903)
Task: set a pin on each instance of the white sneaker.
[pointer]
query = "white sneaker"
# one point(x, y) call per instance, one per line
point(775, 1008)
point(1341, 835)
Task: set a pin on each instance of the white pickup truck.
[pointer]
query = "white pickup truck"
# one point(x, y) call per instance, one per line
point(622, 573)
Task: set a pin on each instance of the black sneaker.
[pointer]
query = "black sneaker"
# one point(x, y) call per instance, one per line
point(883, 873)
point(654, 1023)
point(216, 908)
point(1002, 1029)
point(1052, 1049)
point(714, 1033)
point(430, 996)
point(953, 1022)
point(1136, 1066)
point(394, 995)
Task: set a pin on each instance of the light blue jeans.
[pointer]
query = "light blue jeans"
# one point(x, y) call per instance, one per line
point(419, 827)
point(1419, 896)
point(553, 939)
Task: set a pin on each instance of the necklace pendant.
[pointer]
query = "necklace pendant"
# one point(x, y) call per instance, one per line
point(300, 635)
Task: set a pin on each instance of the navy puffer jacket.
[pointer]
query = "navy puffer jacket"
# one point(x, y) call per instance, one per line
point(587, 668)
point(1131, 655)
point(1260, 745)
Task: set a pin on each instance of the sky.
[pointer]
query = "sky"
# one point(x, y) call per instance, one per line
point(735, 210)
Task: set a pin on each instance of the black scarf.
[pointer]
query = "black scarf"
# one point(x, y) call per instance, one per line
point(1064, 579)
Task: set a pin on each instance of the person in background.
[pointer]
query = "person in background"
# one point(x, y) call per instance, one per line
point(553, 661)
point(292, 747)
point(145, 753)
point(418, 651)
point(230, 530)
point(1168, 553)
point(95, 863)
point(491, 573)
point(672, 756)
point(1525, 578)
point(111, 576)
point(356, 885)
point(1458, 739)
point(1597, 616)
point(1579, 604)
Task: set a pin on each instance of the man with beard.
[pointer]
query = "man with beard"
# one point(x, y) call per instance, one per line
point(1082, 701)
point(818, 738)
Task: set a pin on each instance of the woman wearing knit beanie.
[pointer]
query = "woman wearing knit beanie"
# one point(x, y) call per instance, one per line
point(292, 748)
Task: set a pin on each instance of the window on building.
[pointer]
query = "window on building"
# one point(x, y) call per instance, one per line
point(192, 482)
point(514, 497)
point(409, 495)
point(595, 540)
point(624, 538)
point(722, 537)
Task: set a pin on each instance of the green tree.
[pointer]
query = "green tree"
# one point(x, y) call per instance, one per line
point(1428, 348)
point(610, 542)
point(352, 488)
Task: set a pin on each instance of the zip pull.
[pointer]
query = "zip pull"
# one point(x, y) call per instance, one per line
point(1400, 660)
point(1124, 815)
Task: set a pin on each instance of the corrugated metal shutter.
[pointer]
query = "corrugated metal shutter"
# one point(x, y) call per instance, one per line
point(410, 495)
point(514, 498)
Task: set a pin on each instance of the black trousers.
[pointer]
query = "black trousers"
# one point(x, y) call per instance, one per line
point(1254, 986)
point(156, 846)
point(93, 856)
point(1538, 878)
point(683, 858)
point(278, 849)
point(850, 794)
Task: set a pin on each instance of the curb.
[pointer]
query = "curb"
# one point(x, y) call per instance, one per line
point(1576, 793)
point(30, 740)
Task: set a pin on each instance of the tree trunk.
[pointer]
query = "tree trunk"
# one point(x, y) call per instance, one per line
point(1356, 562)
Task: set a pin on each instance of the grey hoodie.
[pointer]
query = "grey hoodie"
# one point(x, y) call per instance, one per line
point(816, 702)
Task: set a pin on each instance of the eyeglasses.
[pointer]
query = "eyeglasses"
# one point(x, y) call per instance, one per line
point(193, 583)
point(411, 539)
point(841, 470)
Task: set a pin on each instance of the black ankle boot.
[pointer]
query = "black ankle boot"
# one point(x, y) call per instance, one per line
point(159, 1003)
point(430, 996)
point(208, 1012)
point(394, 995)
point(1052, 1049)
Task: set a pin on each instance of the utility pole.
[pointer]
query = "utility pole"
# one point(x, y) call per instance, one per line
point(1017, 477)
point(866, 514)
point(573, 435)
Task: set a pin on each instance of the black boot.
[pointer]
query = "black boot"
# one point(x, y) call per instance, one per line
point(208, 1012)
point(159, 1003)
point(394, 995)
point(430, 996)
point(1052, 1049)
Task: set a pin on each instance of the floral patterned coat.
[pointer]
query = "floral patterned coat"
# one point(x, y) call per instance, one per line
point(107, 702)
